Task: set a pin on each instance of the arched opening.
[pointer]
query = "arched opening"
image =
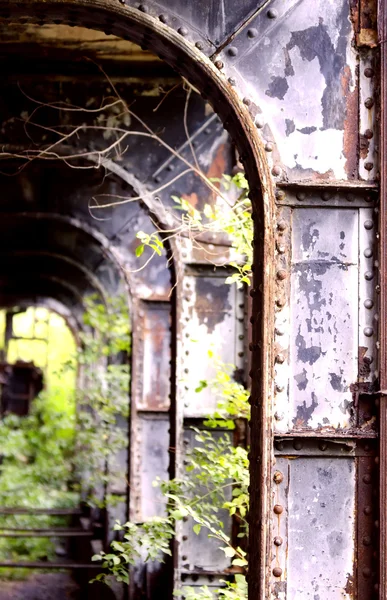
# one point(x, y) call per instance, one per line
point(171, 46)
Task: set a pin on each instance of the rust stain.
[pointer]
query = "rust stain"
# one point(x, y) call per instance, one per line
point(367, 37)
point(219, 164)
point(364, 146)
point(351, 124)
point(191, 198)
point(349, 586)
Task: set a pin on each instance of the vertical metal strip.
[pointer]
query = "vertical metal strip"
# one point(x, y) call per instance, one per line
point(382, 32)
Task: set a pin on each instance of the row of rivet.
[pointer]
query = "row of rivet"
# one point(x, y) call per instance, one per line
point(367, 115)
point(278, 510)
point(282, 329)
point(367, 316)
point(325, 196)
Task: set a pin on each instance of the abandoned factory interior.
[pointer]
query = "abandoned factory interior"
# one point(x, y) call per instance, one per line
point(193, 300)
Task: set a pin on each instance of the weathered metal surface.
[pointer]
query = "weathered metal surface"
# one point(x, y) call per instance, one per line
point(382, 36)
point(321, 508)
point(155, 379)
point(212, 320)
point(324, 318)
point(298, 43)
point(153, 463)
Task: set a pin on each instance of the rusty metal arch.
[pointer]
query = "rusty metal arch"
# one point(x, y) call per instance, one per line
point(187, 60)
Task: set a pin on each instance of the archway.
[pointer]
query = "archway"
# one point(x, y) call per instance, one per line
point(138, 26)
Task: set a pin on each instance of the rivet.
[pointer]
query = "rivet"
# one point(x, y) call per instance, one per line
point(368, 72)
point(272, 13)
point(231, 81)
point(280, 194)
point(278, 416)
point(269, 147)
point(368, 275)
point(246, 101)
point(279, 388)
point(278, 541)
point(280, 359)
point(368, 102)
point(279, 331)
point(368, 224)
point(259, 121)
point(163, 18)
point(143, 8)
point(278, 477)
point(199, 45)
point(281, 274)
point(277, 571)
point(276, 171)
point(325, 196)
point(351, 197)
point(301, 196)
point(280, 302)
point(368, 134)
point(369, 166)
point(278, 509)
point(253, 292)
point(368, 252)
point(252, 33)
point(367, 510)
point(279, 446)
point(367, 478)
point(280, 248)
point(232, 51)
point(218, 64)
point(282, 225)
point(323, 446)
point(368, 331)
point(367, 572)
point(298, 445)
point(183, 31)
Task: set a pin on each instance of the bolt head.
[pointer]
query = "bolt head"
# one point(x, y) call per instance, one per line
point(277, 571)
point(232, 51)
point(278, 541)
point(278, 477)
point(272, 13)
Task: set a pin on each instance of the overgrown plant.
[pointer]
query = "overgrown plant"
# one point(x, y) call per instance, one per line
point(215, 483)
point(102, 396)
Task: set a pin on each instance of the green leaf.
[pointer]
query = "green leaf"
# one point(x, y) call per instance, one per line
point(140, 250)
point(197, 528)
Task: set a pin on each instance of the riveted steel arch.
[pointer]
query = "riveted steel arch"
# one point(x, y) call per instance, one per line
point(194, 65)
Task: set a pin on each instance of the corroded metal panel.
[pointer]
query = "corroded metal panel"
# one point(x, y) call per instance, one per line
point(156, 339)
point(153, 463)
point(324, 317)
point(321, 528)
point(306, 59)
point(212, 319)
